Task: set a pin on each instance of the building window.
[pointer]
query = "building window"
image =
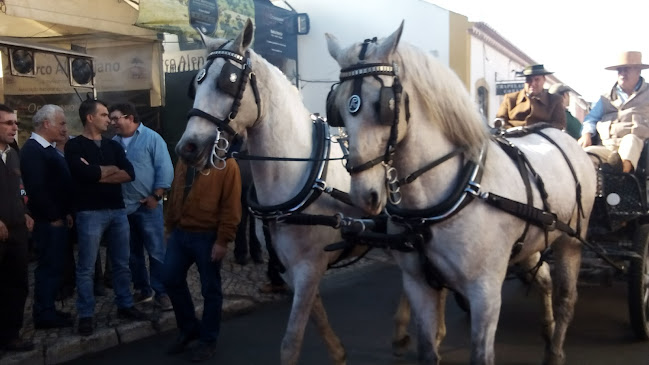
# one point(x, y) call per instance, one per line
point(483, 101)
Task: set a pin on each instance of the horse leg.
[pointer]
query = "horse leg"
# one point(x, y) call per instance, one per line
point(543, 281)
point(567, 254)
point(319, 317)
point(424, 301)
point(485, 305)
point(305, 289)
point(401, 339)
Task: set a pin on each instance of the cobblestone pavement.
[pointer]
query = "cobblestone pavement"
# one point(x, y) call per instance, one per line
point(241, 294)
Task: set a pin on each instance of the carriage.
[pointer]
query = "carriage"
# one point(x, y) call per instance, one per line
point(618, 238)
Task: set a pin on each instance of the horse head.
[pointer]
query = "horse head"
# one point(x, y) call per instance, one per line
point(373, 110)
point(402, 108)
point(223, 106)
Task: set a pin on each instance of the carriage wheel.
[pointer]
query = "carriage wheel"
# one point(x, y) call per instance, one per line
point(639, 284)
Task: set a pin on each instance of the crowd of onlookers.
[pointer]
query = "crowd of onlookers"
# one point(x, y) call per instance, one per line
point(90, 191)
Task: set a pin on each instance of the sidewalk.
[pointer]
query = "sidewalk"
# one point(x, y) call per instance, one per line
point(241, 295)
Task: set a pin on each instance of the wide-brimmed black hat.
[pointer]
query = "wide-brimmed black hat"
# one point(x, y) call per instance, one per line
point(533, 70)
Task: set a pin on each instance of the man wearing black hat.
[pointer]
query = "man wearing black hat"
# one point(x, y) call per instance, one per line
point(533, 104)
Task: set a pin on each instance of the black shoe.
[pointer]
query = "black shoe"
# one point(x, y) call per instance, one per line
point(181, 343)
point(204, 351)
point(132, 313)
point(241, 260)
point(58, 322)
point(85, 326)
point(18, 345)
point(62, 314)
point(257, 259)
point(108, 283)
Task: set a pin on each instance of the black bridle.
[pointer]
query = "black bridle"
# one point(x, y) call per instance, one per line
point(246, 73)
point(357, 73)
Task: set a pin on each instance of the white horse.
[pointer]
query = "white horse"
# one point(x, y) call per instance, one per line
point(404, 110)
point(277, 124)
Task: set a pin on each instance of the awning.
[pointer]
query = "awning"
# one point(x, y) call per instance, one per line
point(46, 18)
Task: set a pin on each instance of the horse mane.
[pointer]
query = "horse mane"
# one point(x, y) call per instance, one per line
point(443, 97)
point(437, 90)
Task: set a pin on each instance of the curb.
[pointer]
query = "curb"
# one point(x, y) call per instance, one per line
point(71, 347)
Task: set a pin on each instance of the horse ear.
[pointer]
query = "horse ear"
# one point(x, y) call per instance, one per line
point(244, 39)
point(389, 44)
point(209, 42)
point(333, 45)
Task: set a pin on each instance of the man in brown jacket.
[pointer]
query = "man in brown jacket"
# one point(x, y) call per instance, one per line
point(621, 116)
point(533, 104)
point(203, 213)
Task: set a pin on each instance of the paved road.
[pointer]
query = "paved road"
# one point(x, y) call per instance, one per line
point(360, 306)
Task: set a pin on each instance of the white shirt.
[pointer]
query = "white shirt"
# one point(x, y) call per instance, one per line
point(42, 141)
point(4, 154)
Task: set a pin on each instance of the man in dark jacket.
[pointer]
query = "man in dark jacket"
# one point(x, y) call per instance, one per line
point(14, 226)
point(99, 166)
point(48, 182)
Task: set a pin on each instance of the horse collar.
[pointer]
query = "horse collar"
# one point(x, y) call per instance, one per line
point(313, 188)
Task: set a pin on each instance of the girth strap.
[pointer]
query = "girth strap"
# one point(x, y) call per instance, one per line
point(546, 220)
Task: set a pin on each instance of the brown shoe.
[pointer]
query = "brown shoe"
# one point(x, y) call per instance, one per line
point(269, 288)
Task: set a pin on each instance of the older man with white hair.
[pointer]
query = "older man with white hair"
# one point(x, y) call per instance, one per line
point(621, 116)
point(47, 182)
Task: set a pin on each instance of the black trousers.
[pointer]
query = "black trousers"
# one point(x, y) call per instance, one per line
point(14, 286)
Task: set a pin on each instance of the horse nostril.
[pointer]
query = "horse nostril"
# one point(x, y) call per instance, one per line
point(374, 199)
point(189, 147)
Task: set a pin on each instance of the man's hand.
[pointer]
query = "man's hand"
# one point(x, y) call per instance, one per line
point(4, 231)
point(29, 222)
point(57, 223)
point(108, 170)
point(218, 252)
point(585, 140)
point(150, 202)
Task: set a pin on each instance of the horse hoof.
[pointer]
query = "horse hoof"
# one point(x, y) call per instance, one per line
point(400, 347)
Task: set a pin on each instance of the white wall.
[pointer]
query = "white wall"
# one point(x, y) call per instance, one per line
point(426, 26)
point(488, 63)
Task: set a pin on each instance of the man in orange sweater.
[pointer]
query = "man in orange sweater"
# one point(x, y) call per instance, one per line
point(203, 213)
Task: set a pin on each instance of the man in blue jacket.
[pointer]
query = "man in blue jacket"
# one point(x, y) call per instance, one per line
point(154, 172)
point(99, 166)
point(48, 183)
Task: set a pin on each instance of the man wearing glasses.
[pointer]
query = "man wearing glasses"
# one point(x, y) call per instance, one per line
point(148, 153)
point(14, 227)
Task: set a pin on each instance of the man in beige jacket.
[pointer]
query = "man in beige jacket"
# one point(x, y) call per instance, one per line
point(621, 116)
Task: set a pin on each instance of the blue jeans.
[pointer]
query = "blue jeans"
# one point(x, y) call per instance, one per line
point(51, 244)
point(91, 227)
point(183, 249)
point(147, 231)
